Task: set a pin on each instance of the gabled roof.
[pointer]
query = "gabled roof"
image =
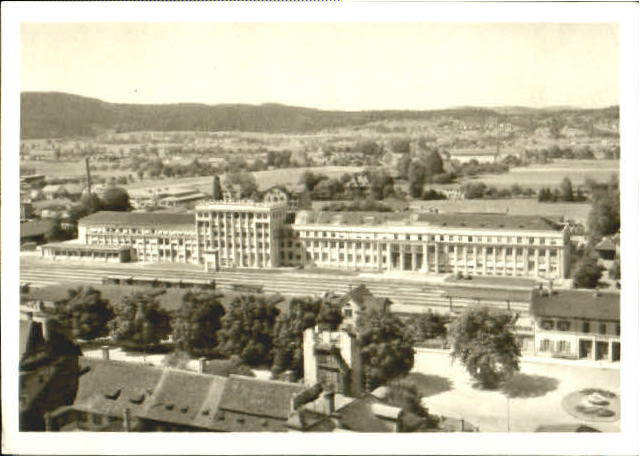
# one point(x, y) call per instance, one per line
point(585, 304)
point(606, 244)
point(109, 387)
point(266, 398)
point(181, 397)
point(363, 297)
point(36, 228)
point(162, 220)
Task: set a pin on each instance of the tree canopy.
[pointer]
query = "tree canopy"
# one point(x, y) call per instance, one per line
point(196, 323)
point(115, 199)
point(140, 322)
point(247, 329)
point(604, 217)
point(288, 331)
point(84, 314)
point(484, 341)
point(386, 347)
point(588, 272)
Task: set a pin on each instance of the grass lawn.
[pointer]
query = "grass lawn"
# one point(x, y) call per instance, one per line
point(532, 398)
point(551, 174)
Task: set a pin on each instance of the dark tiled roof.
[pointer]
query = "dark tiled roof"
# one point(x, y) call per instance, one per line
point(606, 244)
point(109, 387)
point(259, 397)
point(362, 296)
point(358, 417)
point(35, 228)
point(577, 304)
point(180, 396)
point(161, 220)
point(457, 220)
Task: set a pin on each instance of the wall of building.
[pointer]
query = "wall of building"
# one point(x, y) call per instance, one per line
point(400, 248)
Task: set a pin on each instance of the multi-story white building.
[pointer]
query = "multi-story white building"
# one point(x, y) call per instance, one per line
point(476, 244)
point(240, 234)
point(154, 238)
point(247, 234)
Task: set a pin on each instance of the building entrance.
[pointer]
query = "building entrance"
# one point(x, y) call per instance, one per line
point(586, 349)
point(602, 350)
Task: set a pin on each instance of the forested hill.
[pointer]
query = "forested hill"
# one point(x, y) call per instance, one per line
point(60, 115)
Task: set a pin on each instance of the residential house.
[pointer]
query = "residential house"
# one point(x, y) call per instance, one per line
point(577, 324)
point(54, 191)
point(119, 396)
point(357, 302)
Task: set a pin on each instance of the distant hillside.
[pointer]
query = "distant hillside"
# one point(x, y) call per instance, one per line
point(61, 115)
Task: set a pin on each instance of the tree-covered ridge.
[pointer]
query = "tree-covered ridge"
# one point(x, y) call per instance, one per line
point(59, 115)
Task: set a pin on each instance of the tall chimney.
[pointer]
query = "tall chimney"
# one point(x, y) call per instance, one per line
point(126, 420)
point(86, 162)
point(46, 328)
point(202, 363)
point(330, 401)
point(461, 425)
point(105, 352)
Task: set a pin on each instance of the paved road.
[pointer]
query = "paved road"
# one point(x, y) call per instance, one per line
point(538, 390)
point(406, 295)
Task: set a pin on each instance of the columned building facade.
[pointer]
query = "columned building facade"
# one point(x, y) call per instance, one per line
point(475, 244)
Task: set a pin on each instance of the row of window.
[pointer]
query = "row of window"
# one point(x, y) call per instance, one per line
point(584, 326)
point(561, 346)
point(441, 237)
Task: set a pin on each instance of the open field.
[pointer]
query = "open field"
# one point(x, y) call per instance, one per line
point(550, 174)
point(68, 169)
point(521, 206)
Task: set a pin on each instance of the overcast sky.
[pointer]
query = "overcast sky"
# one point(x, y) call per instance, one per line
point(346, 66)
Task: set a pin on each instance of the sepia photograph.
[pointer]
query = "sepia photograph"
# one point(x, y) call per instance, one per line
point(405, 226)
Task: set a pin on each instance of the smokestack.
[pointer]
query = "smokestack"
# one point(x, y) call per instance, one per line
point(202, 364)
point(46, 328)
point(461, 425)
point(105, 352)
point(330, 401)
point(126, 420)
point(86, 162)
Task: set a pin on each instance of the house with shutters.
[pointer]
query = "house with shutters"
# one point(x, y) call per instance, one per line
point(577, 324)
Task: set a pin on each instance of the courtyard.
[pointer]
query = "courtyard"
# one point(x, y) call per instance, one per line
point(532, 398)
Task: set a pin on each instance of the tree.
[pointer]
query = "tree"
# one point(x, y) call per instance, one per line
point(430, 325)
point(196, 323)
point(216, 189)
point(614, 270)
point(386, 347)
point(588, 273)
point(140, 323)
point(288, 332)
point(401, 146)
point(403, 166)
point(431, 194)
point(433, 164)
point(115, 199)
point(417, 175)
point(474, 190)
point(84, 314)
point(604, 217)
point(484, 341)
point(246, 181)
point(247, 329)
point(566, 190)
